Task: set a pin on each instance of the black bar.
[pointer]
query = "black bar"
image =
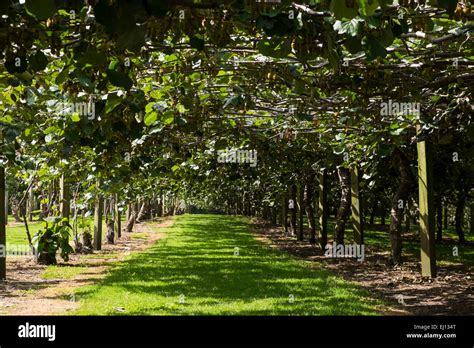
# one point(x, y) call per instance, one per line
point(288, 331)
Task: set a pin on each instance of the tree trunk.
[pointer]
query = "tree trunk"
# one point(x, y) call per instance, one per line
point(16, 212)
point(274, 214)
point(98, 212)
point(407, 220)
point(131, 220)
point(3, 235)
point(372, 213)
point(471, 221)
point(439, 219)
point(382, 214)
point(284, 213)
point(301, 212)
point(293, 211)
point(460, 204)
point(344, 175)
point(308, 203)
point(110, 231)
point(117, 220)
point(142, 212)
point(446, 216)
point(323, 209)
point(399, 202)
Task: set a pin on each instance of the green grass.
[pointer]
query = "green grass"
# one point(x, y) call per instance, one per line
point(196, 264)
point(62, 271)
point(16, 235)
point(379, 240)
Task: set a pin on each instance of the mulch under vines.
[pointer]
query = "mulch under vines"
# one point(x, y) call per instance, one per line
point(26, 292)
point(401, 287)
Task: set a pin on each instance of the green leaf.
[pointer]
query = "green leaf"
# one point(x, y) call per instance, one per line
point(342, 10)
point(374, 49)
point(38, 61)
point(149, 107)
point(367, 7)
point(75, 117)
point(351, 27)
point(40, 9)
point(197, 42)
point(181, 109)
point(16, 65)
point(168, 117)
point(119, 79)
point(132, 39)
point(93, 58)
point(113, 100)
point(151, 118)
point(61, 77)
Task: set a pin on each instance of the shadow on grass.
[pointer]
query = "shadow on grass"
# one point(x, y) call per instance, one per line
point(197, 270)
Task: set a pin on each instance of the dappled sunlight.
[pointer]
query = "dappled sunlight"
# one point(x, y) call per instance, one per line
point(197, 261)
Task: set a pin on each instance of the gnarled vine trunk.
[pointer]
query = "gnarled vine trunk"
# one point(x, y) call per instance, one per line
point(293, 211)
point(110, 231)
point(344, 175)
point(399, 202)
point(459, 215)
point(308, 203)
point(142, 212)
point(131, 220)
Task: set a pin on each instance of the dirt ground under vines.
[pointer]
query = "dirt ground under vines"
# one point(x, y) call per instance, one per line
point(26, 292)
point(402, 288)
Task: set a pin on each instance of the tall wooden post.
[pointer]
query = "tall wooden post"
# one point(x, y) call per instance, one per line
point(292, 209)
point(357, 223)
point(65, 204)
point(323, 210)
point(300, 211)
point(30, 204)
point(284, 213)
point(99, 206)
point(426, 206)
point(471, 222)
point(6, 203)
point(117, 222)
point(3, 237)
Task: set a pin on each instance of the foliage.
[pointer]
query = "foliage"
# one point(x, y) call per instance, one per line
point(53, 236)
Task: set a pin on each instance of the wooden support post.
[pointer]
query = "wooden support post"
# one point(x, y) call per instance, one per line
point(426, 206)
point(30, 203)
point(323, 210)
point(118, 221)
point(99, 206)
point(301, 211)
point(65, 204)
point(3, 237)
point(445, 215)
point(357, 222)
point(6, 203)
point(292, 208)
point(284, 213)
point(471, 222)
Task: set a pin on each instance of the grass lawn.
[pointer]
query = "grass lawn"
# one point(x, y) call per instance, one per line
point(16, 232)
point(377, 239)
point(195, 271)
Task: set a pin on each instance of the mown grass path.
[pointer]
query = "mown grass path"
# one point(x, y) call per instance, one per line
point(196, 270)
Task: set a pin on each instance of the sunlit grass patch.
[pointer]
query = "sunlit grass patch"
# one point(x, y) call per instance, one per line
point(196, 270)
